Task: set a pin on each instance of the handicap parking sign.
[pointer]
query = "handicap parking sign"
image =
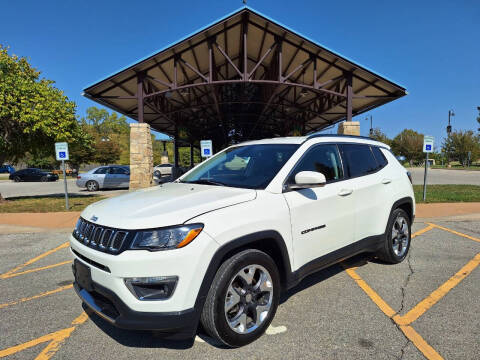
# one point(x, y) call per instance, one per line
point(61, 151)
point(62, 155)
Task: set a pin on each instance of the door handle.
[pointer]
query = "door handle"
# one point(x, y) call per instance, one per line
point(345, 192)
point(386, 181)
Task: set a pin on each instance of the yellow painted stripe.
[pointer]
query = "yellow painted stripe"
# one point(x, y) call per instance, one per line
point(455, 232)
point(435, 296)
point(56, 339)
point(15, 349)
point(46, 293)
point(428, 351)
point(7, 276)
point(387, 310)
point(31, 261)
point(424, 230)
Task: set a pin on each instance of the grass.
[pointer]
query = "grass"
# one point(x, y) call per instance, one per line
point(448, 193)
point(41, 204)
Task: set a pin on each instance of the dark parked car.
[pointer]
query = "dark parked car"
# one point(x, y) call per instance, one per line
point(7, 169)
point(33, 174)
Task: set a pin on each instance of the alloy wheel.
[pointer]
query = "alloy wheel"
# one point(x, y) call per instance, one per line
point(249, 299)
point(400, 236)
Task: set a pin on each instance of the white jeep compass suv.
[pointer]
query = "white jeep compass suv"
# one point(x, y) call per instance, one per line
point(219, 244)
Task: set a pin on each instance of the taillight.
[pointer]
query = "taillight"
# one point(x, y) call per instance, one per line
point(79, 177)
point(410, 177)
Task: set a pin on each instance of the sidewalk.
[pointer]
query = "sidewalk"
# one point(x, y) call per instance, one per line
point(36, 222)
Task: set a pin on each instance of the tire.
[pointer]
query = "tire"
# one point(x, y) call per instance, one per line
point(157, 174)
point(230, 315)
point(397, 239)
point(43, 179)
point(16, 179)
point(92, 185)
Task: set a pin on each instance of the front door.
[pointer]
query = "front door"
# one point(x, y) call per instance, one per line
point(322, 218)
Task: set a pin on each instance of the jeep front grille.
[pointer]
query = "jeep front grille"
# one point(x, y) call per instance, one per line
point(100, 237)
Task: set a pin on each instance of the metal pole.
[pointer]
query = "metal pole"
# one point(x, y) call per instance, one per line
point(65, 184)
point(425, 179)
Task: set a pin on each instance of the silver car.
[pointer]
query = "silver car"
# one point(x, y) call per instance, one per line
point(105, 177)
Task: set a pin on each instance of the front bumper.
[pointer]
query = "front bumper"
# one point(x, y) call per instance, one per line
point(110, 298)
point(110, 307)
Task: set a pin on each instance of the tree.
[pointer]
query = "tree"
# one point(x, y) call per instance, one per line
point(378, 135)
point(33, 113)
point(460, 143)
point(110, 134)
point(408, 143)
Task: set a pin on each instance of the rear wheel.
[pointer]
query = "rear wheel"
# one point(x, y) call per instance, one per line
point(92, 185)
point(398, 237)
point(243, 298)
point(43, 179)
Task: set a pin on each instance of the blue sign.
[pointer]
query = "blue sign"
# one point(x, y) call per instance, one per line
point(206, 152)
point(428, 147)
point(62, 155)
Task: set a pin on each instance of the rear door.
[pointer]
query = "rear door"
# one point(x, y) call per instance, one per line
point(123, 177)
point(369, 193)
point(321, 217)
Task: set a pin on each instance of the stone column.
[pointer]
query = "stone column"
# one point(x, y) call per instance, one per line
point(349, 128)
point(141, 156)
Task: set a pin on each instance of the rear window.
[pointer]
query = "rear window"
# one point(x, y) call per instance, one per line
point(359, 159)
point(102, 170)
point(379, 156)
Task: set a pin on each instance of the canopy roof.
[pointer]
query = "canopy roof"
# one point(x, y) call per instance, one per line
point(243, 77)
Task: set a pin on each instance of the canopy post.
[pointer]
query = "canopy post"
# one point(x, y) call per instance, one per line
point(140, 95)
point(348, 77)
point(191, 155)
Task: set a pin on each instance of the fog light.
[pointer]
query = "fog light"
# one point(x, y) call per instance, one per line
point(152, 288)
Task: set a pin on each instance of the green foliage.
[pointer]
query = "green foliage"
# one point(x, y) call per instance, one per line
point(380, 136)
point(33, 113)
point(110, 135)
point(408, 143)
point(459, 143)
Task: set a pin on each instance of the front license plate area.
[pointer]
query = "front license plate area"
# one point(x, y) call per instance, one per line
point(82, 275)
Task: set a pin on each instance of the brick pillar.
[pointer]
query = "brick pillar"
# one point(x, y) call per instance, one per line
point(141, 156)
point(349, 128)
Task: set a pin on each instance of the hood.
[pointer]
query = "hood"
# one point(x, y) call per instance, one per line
point(164, 205)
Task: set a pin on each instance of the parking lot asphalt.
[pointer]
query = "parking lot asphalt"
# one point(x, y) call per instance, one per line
point(425, 307)
point(13, 189)
point(445, 177)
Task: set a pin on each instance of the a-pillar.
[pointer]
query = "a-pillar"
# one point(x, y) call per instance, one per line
point(141, 156)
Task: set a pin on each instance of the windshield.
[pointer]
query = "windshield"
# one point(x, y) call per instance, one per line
point(249, 166)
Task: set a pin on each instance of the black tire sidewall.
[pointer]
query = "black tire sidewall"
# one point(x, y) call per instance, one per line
point(389, 241)
point(229, 336)
point(94, 183)
point(16, 179)
point(43, 179)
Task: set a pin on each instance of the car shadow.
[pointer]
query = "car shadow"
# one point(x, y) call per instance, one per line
point(154, 339)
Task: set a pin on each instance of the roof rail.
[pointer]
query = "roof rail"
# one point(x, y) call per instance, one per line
point(339, 135)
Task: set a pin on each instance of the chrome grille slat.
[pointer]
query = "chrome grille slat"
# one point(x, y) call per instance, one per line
point(99, 237)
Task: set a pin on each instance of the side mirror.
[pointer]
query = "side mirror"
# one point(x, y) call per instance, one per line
point(308, 179)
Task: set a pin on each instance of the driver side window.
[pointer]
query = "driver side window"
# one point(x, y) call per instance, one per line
point(320, 158)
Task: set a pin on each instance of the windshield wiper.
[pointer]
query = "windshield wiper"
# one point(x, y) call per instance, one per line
point(205, 182)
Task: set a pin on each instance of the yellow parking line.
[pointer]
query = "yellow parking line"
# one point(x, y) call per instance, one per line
point(31, 261)
point(46, 293)
point(422, 231)
point(435, 296)
point(428, 351)
point(7, 276)
point(455, 232)
point(387, 310)
point(56, 339)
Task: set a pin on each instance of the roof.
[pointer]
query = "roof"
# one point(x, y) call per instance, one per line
point(317, 138)
point(243, 76)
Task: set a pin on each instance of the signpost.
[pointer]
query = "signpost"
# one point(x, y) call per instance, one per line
point(61, 154)
point(427, 148)
point(206, 148)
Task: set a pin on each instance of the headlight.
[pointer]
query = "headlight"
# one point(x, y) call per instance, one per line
point(166, 238)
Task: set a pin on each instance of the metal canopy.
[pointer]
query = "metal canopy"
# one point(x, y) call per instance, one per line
point(243, 77)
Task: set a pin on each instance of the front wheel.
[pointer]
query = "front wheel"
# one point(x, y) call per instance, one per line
point(397, 239)
point(16, 179)
point(43, 179)
point(243, 298)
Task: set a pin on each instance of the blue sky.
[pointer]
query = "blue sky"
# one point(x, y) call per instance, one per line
point(430, 47)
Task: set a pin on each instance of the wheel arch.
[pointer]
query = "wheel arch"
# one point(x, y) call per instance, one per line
point(406, 204)
point(268, 241)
